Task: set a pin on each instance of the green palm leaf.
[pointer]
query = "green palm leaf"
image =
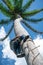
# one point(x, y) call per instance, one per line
point(7, 33)
point(27, 5)
point(4, 10)
point(15, 2)
point(31, 13)
point(9, 4)
point(4, 22)
point(12, 2)
point(36, 31)
point(20, 2)
point(33, 20)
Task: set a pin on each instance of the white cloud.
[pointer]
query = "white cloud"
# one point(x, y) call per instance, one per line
point(6, 46)
point(39, 41)
point(21, 61)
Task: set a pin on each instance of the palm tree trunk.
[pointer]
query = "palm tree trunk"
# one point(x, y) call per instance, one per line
point(32, 54)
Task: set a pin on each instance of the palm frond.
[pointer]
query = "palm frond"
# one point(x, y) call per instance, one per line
point(12, 2)
point(9, 4)
point(7, 33)
point(15, 2)
point(5, 22)
point(20, 2)
point(36, 31)
point(33, 20)
point(31, 13)
point(4, 10)
point(27, 5)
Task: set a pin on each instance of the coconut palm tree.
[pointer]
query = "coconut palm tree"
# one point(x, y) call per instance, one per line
point(17, 13)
